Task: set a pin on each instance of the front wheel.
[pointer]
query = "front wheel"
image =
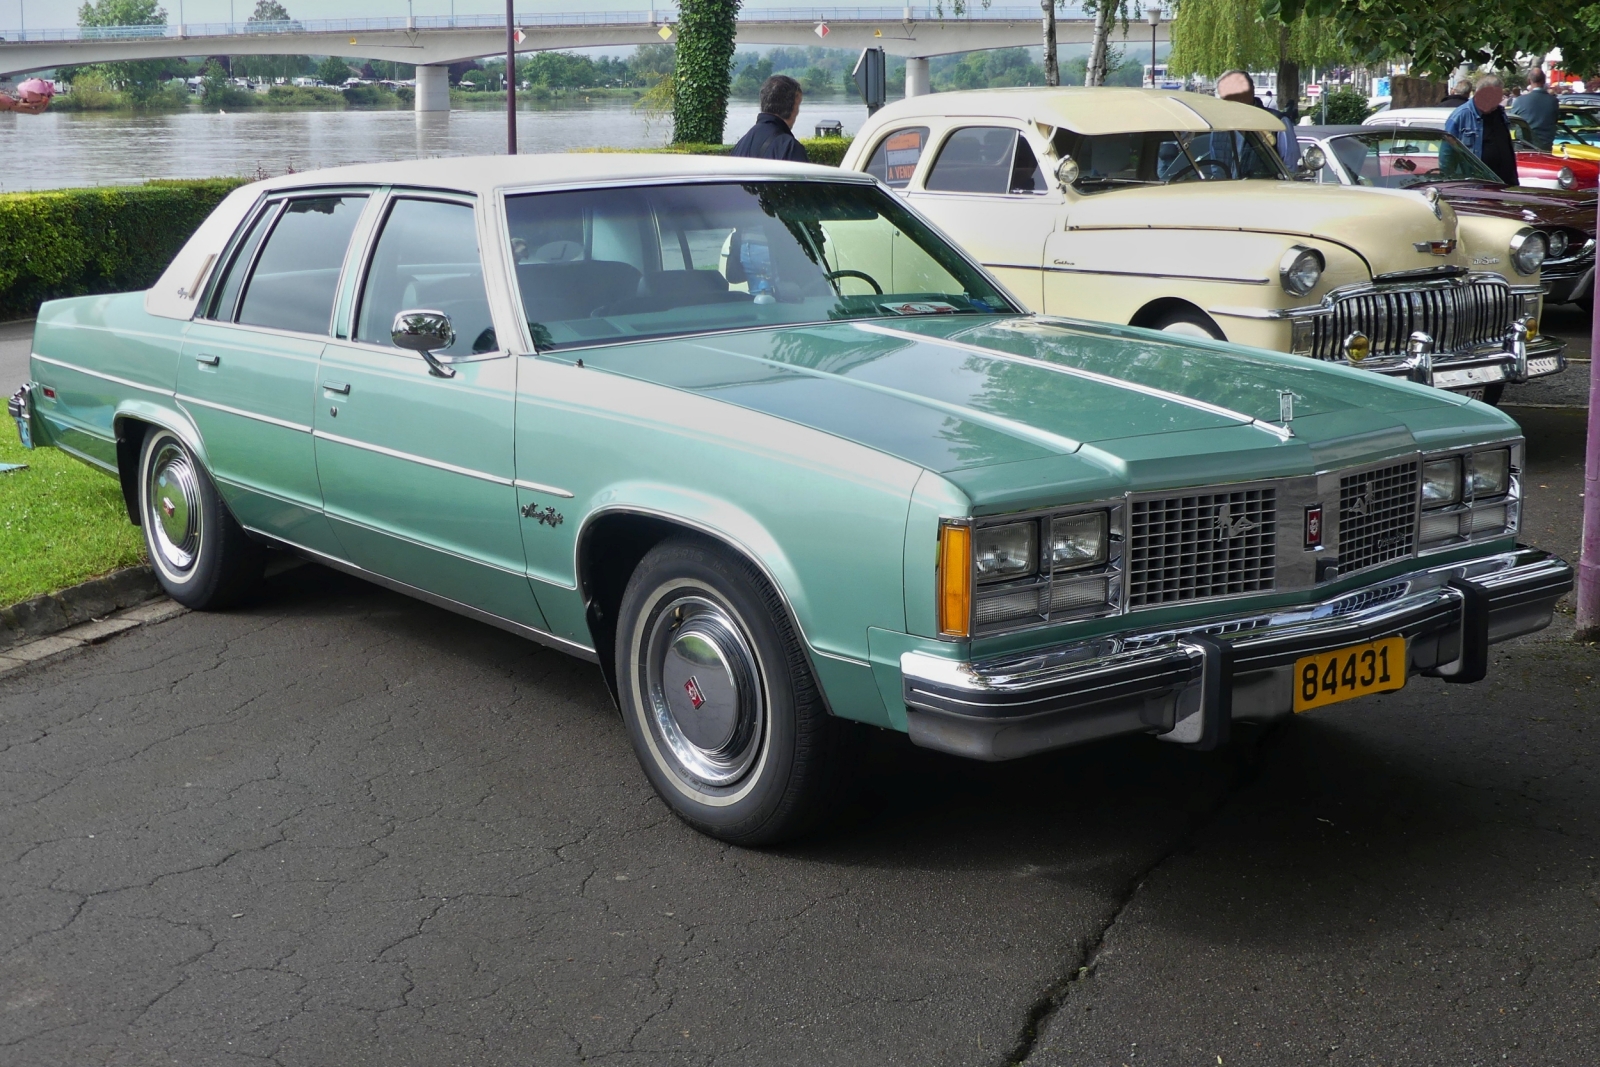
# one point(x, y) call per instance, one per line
point(719, 700)
point(1188, 322)
point(201, 556)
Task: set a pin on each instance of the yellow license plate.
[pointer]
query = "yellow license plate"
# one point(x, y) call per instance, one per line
point(1329, 677)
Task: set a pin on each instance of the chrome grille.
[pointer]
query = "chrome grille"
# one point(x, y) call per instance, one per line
point(1455, 316)
point(1377, 516)
point(1201, 545)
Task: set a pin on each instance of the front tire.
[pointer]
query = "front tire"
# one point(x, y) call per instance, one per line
point(201, 556)
point(1188, 322)
point(719, 700)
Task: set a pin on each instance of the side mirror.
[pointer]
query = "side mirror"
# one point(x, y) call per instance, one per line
point(1312, 160)
point(425, 332)
point(1067, 172)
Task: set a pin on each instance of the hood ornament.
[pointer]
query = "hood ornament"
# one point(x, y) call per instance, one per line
point(1286, 409)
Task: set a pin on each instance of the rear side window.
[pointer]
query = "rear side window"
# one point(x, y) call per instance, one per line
point(296, 275)
point(986, 159)
point(226, 300)
point(895, 159)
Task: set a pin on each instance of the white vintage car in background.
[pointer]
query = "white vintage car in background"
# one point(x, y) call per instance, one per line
point(1172, 211)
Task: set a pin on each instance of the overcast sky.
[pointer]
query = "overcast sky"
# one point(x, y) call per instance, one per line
point(41, 14)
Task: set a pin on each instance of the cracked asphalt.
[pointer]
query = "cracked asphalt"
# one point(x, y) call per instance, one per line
point(341, 827)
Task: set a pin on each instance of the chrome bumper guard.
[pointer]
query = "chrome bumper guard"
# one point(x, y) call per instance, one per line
point(1187, 684)
point(20, 408)
point(1522, 359)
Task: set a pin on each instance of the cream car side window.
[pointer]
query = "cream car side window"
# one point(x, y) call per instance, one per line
point(986, 159)
point(895, 159)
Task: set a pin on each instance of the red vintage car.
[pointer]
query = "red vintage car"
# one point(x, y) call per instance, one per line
point(1535, 169)
point(1415, 157)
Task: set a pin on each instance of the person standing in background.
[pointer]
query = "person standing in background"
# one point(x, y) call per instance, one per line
point(772, 137)
point(1481, 125)
point(1460, 93)
point(1540, 109)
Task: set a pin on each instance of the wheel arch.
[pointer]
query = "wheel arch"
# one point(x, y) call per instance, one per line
point(1158, 309)
point(614, 539)
point(132, 422)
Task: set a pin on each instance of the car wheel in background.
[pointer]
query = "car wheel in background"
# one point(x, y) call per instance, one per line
point(719, 700)
point(1188, 322)
point(201, 556)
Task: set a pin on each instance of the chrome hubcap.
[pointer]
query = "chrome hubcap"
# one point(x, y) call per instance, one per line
point(173, 507)
point(703, 684)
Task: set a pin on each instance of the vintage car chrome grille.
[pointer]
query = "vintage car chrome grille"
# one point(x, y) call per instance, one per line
point(1457, 316)
point(1377, 516)
point(1201, 545)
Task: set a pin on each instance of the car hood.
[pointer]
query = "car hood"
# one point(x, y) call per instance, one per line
point(1560, 207)
point(961, 395)
point(1380, 225)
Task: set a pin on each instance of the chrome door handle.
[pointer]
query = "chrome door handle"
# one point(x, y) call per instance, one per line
point(207, 360)
point(341, 388)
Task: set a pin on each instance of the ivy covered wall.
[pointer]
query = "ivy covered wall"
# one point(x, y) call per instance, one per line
point(704, 69)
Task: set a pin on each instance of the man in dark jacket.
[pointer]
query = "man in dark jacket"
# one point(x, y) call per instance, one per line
point(772, 137)
point(1540, 109)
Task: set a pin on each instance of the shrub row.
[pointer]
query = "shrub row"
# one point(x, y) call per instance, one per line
point(72, 242)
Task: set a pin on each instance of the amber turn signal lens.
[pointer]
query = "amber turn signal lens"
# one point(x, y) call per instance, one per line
point(955, 580)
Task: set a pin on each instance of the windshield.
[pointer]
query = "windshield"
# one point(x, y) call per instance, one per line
point(600, 266)
point(1581, 125)
point(1170, 158)
point(1404, 158)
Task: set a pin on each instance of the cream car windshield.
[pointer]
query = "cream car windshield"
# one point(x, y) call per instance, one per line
point(1161, 158)
point(600, 266)
point(1407, 158)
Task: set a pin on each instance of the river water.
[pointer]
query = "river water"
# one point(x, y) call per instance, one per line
point(68, 149)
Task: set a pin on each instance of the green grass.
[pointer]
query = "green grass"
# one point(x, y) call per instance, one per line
point(61, 522)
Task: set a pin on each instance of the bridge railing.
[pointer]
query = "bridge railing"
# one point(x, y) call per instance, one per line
point(532, 20)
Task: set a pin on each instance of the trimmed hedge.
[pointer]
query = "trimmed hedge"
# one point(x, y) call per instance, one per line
point(73, 242)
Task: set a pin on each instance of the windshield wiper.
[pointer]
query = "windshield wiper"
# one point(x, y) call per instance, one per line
point(1091, 182)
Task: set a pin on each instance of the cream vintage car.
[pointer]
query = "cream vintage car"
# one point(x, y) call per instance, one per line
point(1172, 210)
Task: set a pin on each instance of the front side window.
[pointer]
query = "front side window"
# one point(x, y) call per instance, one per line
point(606, 265)
point(296, 275)
point(986, 159)
point(1160, 158)
point(895, 159)
point(1403, 160)
point(427, 259)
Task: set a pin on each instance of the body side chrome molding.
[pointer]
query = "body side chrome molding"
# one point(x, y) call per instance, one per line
point(101, 374)
point(543, 637)
point(394, 453)
point(536, 487)
point(285, 423)
point(1279, 432)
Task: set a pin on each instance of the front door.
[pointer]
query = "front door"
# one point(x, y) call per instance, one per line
point(417, 467)
point(248, 371)
point(986, 189)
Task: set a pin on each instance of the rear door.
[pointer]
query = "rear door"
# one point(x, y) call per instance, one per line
point(247, 376)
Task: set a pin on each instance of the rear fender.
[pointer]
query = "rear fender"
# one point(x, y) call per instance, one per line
point(132, 421)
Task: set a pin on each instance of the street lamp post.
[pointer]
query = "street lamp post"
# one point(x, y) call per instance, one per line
point(1153, 13)
point(511, 80)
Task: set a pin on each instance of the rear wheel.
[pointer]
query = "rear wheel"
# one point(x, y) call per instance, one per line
point(719, 700)
point(1188, 322)
point(201, 556)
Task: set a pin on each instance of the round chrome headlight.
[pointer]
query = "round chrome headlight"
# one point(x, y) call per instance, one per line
point(1300, 270)
point(1527, 251)
point(1558, 243)
point(1566, 179)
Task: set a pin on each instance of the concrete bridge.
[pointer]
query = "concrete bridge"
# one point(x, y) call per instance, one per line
point(431, 43)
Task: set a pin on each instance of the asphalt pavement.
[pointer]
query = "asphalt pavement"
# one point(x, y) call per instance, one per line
point(341, 827)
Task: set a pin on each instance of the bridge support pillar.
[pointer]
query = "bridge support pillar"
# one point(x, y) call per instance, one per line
point(433, 88)
point(918, 82)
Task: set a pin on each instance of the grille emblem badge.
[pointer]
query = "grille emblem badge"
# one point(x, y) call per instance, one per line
point(1229, 526)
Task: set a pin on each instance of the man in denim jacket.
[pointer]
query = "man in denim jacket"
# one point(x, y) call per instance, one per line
point(1481, 125)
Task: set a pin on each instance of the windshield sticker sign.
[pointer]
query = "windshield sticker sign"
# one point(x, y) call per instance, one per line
point(921, 307)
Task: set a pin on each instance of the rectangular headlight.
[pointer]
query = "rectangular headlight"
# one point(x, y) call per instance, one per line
point(1441, 482)
point(1077, 541)
point(1491, 473)
point(1004, 552)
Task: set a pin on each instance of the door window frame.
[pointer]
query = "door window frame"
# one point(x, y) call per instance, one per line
point(272, 203)
point(930, 159)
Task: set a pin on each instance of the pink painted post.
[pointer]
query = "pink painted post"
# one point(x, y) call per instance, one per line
point(1589, 556)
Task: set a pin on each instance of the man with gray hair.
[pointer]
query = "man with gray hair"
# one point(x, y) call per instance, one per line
point(1238, 86)
point(1481, 125)
point(1460, 93)
point(1540, 109)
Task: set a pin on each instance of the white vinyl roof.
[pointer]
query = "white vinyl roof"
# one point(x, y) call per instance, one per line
point(1091, 111)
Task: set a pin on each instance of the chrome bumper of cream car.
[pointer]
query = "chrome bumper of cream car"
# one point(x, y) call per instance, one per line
point(1187, 683)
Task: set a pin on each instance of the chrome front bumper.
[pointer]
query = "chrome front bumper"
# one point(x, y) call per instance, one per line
point(1186, 684)
point(20, 408)
point(1518, 362)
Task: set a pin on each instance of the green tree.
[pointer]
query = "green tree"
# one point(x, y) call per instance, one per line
point(703, 70)
point(333, 71)
point(1211, 36)
point(269, 11)
point(139, 81)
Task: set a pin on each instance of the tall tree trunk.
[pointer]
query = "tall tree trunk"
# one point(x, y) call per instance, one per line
point(1095, 73)
point(1052, 72)
point(703, 69)
point(1288, 77)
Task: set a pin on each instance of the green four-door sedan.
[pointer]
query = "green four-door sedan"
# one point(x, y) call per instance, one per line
point(763, 444)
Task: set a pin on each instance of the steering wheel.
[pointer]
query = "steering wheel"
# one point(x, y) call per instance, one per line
point(1434, 173)
point(1219, 165)
point(834, 275)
